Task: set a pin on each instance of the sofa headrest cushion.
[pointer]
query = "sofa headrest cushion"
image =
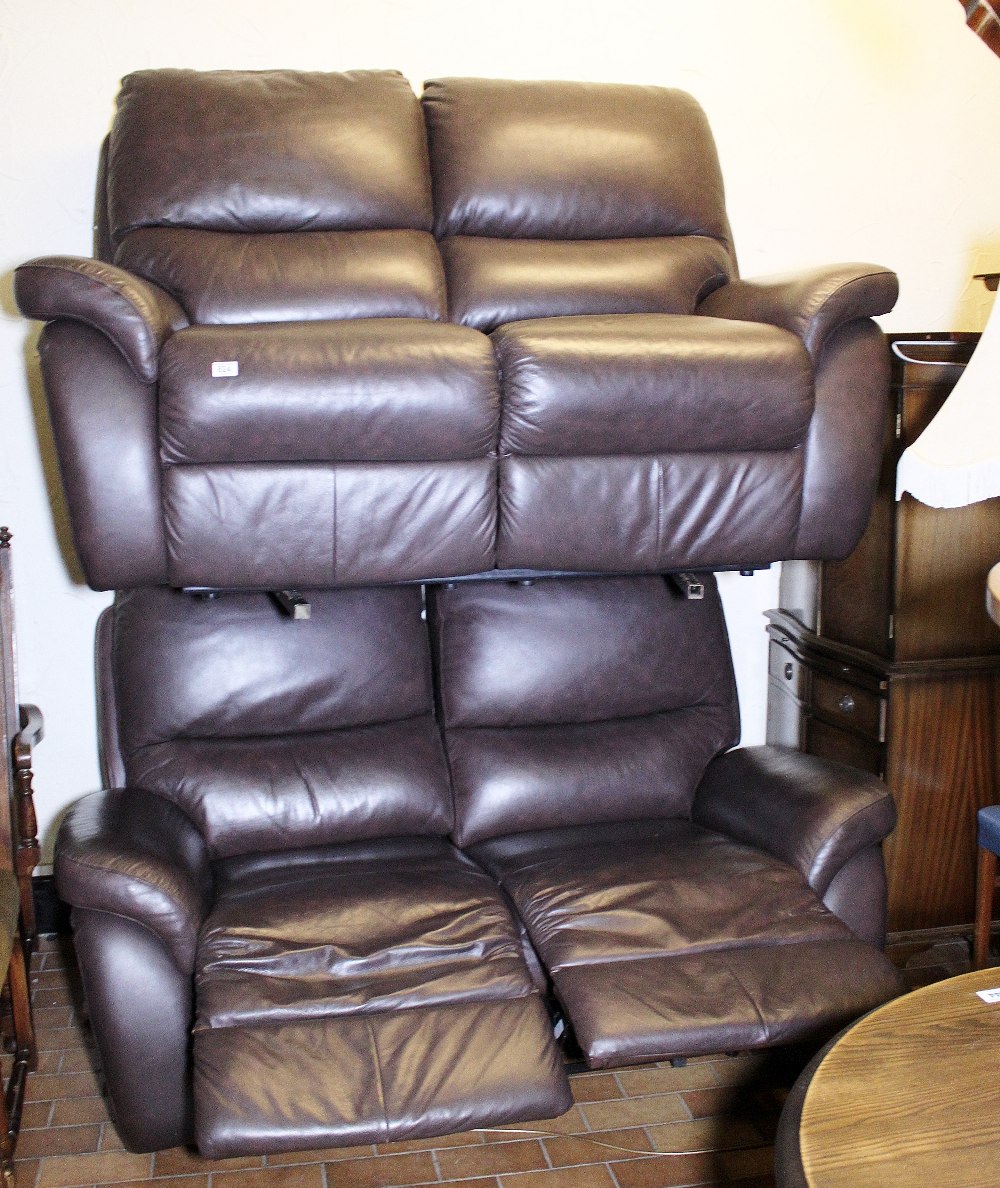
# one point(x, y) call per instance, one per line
point(267, 151)
point(563, 160)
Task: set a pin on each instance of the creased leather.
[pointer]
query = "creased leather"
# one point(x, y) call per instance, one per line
point(376, 390)
point(376, 1078)
point(136, 855)
point(570, 160)
point(228, 277)
point(270, 150)
point(668, 939)
point(137, 316)
point(689, 384)
point(578, 700)
point(810, 812)
point(492, 281)
point(811, 304)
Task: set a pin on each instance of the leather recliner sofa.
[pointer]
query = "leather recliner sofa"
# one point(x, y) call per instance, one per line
point(319, 347)
point(476, 377)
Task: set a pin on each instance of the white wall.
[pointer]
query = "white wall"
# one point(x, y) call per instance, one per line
point(848, 130)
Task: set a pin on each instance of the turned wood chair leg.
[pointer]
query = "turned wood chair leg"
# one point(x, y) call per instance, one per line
point(986, 878)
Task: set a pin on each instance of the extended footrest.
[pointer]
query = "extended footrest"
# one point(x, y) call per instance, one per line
point(375, 1077)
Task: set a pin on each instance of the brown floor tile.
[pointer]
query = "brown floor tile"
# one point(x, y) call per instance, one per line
point(77, 1060)
point(177, 1182)
point(467, 1138)
point(382, 1171)
point(54, 994)
point(58, 1038)
point(74, 1111)
point(68, 1171)
point(110, 1140)
point(666, 1171)
point(706, 1103)
point(35, 1114)
point(572, 1122)
point(635, 1111)
point(325, 1155)
point(58, 1140)
point(491, 1159)
point(739, 1165)
point(58, 1085)
point(478, 1182)
point(595, 1087)
point(705, 1134)
point(25, 1173)
point(48, 1018)
point(638, 1082)
point(48, 1062)
point(741, 1070)
point(593, 1176)
point(176, 1161)
point(601, 1147)
point(302, 1176)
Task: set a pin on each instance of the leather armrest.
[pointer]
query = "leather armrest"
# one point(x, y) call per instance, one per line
point(811, 304)
point(137, 855)
point(809, 812)
point(138, 317)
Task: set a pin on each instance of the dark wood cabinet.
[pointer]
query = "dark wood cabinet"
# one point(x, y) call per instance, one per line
point(888, 660)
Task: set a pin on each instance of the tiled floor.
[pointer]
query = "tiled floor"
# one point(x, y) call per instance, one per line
point(711, 1122)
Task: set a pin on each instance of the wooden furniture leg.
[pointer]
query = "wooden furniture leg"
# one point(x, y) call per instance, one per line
point(986, 880)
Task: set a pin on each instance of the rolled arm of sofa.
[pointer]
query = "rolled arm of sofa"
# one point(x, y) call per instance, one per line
point(138, 317)
point(812, 813)
point(811, 304)
point(136, 855)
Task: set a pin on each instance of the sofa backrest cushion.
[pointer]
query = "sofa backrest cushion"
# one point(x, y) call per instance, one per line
point(578, 700)
point(255, 196)
point(531, 179)
point(273, 733)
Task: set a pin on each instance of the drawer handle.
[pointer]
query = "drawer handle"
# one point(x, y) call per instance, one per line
point(847, 704)
point(789, 671)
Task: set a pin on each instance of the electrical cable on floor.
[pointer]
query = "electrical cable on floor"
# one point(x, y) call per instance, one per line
point(615, 1146)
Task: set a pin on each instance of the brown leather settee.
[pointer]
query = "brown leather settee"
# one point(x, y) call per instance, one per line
point(475, 372)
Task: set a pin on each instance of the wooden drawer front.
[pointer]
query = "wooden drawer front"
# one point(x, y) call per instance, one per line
point(849, 706)
point(829, 742)
point(788, 672)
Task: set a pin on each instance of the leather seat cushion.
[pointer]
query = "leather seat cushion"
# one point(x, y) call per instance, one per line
point(354, 930)
point(664, 939)
point(393, 1002)
point(372, 390)
point(640, 384)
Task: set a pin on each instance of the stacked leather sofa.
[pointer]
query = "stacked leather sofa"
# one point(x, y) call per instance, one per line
point(475, 372)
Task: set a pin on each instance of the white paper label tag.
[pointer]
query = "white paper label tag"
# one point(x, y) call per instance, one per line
point(229, 367)
point(989, 995)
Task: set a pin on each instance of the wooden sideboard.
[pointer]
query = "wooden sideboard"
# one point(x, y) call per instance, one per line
point(888, 660)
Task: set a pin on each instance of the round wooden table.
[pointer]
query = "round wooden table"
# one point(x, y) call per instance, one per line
point(911, 1094)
